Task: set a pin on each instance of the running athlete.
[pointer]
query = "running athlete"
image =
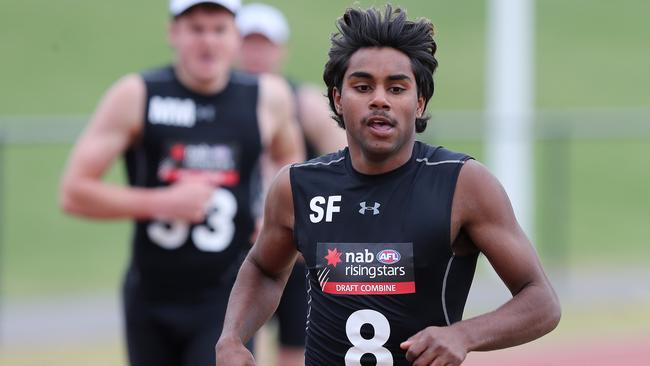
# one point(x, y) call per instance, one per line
point(390, 228)
point(265, 32)
point(191, 134)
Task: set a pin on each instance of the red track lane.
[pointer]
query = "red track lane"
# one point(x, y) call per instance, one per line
point(627, 352)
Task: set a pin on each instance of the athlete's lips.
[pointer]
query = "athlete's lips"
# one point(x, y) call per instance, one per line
point(380, 120)
point(207, 58)
point(380, 125)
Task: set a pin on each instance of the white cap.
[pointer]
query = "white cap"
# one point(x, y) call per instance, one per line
point(265, 20)
point(176, 7)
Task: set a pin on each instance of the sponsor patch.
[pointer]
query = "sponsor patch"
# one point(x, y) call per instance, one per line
point(172, 111)
point(366, 268)
point(389, 256)
point(216, 162)
point(178, 112)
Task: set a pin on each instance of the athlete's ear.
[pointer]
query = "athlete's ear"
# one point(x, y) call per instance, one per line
point(336, 95)
point(420, 107)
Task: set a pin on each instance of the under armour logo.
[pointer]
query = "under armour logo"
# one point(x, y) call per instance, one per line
point(364, 208)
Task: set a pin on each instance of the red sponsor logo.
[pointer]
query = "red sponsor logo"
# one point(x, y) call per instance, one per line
point(333, 257)
point(221, 179)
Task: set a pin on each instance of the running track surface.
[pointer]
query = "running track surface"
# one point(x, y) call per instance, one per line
point(632, 352)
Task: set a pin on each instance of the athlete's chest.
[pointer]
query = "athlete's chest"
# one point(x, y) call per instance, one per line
point(217, 137)
point(182, 118)
point(341, 207)
point(369, 230)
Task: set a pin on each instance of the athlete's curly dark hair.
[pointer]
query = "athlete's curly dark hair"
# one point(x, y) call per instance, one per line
point(368, 28)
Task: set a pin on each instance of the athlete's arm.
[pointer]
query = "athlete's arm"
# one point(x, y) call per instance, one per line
point(316, 121)
point(262, 277)
point(115, 125)
point(279, 130)
point(482, 211)
point(278, 125)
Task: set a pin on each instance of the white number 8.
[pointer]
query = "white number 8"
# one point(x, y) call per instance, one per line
point(214, 236)
point(373, 345)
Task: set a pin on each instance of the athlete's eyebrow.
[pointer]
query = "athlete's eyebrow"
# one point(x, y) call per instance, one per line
point(398, 77)
point(360, 74)
point(367, 75)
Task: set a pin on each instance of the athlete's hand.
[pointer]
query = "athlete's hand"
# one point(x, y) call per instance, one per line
point(233, 353)
point(435, 346)
point(186, 200)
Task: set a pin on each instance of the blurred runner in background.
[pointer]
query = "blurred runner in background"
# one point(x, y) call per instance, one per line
point(191, 134)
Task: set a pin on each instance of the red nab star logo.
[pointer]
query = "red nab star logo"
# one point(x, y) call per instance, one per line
point(333, 257)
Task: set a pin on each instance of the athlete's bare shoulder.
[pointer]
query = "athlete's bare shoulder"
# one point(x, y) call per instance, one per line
point(122, 107)
point(130, 86)
point(310, 92)
point(271, 105)
point(279, 201)
point(481, 208)
point(275, 96)
point(276, 115)
point(479, 190)
point(275, 83)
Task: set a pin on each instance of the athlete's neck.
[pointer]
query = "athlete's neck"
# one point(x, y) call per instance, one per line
point(367, 163)
point(202, 86)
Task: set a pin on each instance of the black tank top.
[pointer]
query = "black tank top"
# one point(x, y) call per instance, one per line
point(378, 252)
point(186, 133)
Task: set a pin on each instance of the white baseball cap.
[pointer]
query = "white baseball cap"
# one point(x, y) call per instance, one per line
point(176, 7)
point(265, 20)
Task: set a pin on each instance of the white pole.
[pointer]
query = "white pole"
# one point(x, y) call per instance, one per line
point(509, 102)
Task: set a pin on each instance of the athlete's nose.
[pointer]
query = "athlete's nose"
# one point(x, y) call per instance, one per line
point(379, 100)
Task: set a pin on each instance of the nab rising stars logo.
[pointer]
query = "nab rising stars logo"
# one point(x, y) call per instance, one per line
point(364, 269)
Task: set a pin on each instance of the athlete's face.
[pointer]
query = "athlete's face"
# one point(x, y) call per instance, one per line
point(379, 102)
point(206, 41)
point(259, 54)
